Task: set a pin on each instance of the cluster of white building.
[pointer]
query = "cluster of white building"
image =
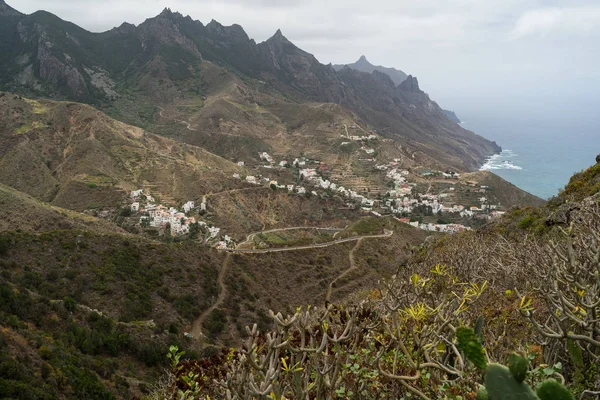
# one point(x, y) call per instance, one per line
point(159, 216)
point(311, 176)
point(264, 156)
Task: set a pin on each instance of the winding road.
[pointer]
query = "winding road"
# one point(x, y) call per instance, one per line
point(188, 125)
point(312, 246)
point(197, 327)
point(251, 236)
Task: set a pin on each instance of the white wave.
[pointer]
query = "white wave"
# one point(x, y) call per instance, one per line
point(499, 161)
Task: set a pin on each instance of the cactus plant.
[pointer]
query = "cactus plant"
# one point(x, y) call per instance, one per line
point(501, 385)
point(550, 389)
point(470, 345)
point(482, 394)
point(506, 383)
point(518, 367)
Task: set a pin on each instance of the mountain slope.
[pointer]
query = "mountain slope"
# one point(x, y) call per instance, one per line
point(72, 155)
point(129, 71)
point(364, 65)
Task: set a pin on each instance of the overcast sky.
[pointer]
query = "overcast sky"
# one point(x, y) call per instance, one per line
point(469, 55)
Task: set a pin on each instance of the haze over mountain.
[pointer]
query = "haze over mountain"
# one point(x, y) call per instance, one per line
point(364, 65)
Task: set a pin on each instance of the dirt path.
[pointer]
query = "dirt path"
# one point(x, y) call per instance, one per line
point(352, 263)
point(312, 246)
point(352, 267)
point(197, 327)
point(251, 236)
point(188, 125)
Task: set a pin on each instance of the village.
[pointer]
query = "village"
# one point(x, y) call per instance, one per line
point(403, 201)
point(435, 208)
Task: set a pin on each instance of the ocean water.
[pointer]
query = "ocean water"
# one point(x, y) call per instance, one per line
point(539, 156)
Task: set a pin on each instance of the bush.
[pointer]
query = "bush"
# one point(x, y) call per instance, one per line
point(69, 303)
point(526, 222)
point(215, 323)
point(92, 185)
point(187, 306)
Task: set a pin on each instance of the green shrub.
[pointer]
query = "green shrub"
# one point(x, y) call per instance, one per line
point(527, 222)
point(69, 303)
point(215, 323)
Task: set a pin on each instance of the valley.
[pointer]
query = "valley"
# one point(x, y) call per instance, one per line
point(178, 184)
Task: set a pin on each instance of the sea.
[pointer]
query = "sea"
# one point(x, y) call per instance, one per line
point(538, 156)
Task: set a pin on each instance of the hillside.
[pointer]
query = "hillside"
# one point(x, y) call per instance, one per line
point(73, 156)
point(526, 283)
point(28, 214)
point(217, 85)
point(88, 310)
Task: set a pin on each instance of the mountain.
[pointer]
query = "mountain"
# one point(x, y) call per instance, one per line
point(228, 88)
point(363, 65)
point(452, 116)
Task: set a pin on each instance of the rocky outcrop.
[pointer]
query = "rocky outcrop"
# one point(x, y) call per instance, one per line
point(163, 30)
point(410, 84)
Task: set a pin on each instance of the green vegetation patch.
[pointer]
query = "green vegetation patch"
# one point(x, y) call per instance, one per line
point(26, 128)
point(365, 226)
point(583, 184)
point(36, 107)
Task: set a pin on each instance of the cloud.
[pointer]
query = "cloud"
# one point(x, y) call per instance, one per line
point(547, 21)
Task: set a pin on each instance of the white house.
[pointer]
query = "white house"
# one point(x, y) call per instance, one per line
point(290, 188)
point(265, 156)
point(136, 193)
point(187, 207)
point(300, 190)
point(283, 163)
point(241, 163)
point(251, 179)
point(135, 206)
point(213, 232)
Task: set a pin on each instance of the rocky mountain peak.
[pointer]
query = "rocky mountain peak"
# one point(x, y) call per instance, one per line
point(278, 37)
point(126, 27)
point(170, 15)
point(364, 65)
point(410, 84)
point(166, 12)
point(234, 31)
point(8, 11)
